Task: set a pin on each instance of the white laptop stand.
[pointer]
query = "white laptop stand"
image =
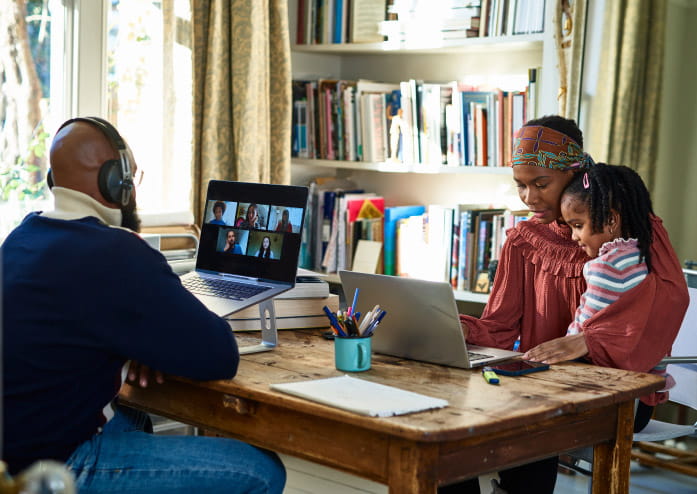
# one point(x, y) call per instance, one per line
point(269, 333)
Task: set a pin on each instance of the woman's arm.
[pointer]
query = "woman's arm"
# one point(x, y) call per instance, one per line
point(499, 325)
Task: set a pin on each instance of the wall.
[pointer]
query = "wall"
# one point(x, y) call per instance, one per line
point(675, 194)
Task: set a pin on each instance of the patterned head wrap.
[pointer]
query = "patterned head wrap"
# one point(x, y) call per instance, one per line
point(541, 146)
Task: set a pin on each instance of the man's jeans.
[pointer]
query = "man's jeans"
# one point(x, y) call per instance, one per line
point(124, 459)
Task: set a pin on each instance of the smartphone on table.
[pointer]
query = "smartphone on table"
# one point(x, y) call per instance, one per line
point(518, 367)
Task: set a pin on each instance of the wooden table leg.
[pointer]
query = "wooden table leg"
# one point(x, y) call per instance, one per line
point(404, 477)
point(611, 460)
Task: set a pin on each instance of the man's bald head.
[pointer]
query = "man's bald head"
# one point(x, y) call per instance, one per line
point(77, 153)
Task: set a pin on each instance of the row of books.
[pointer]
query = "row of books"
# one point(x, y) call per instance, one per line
point(419, 22)
point(411, 122)
point(434, 242)
point(427, 22)
point(339, 216)
point(339, 21)
point(511, 17)
point(455, 244)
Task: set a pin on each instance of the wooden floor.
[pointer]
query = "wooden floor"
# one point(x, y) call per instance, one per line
point(309, 478)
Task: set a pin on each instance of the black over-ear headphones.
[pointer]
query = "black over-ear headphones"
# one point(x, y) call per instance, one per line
point(115, 178)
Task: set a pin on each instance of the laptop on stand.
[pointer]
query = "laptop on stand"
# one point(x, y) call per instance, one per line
point(422, 320)
point(249, 248)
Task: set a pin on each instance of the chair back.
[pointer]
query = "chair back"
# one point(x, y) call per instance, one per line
point(685, 345)
point(690, 277)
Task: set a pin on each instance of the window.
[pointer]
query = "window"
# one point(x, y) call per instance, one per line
point(133, 68)
point(148, 95)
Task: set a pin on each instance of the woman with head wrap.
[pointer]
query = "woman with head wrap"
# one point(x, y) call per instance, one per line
point(539, 278)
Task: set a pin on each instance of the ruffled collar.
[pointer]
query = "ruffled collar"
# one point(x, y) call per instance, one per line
point(549, 247)
point(619, 244)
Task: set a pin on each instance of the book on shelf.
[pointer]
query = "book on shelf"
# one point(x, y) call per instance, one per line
point(291, 313)
point(320, 211)
point(365, 15)
point(356, 216)
point(392, 216)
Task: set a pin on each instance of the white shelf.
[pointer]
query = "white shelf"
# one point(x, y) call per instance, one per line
point(390, 167)
point(479, 45)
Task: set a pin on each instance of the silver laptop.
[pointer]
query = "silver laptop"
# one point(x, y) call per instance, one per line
point(422, 320)
point(249, 246)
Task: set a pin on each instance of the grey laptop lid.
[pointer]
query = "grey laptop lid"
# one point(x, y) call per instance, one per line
point(422, 320)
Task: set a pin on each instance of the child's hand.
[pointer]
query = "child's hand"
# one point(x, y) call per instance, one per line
point(558, 350)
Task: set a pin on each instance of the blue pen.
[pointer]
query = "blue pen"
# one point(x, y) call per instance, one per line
point(352, 309)
point(333, 321)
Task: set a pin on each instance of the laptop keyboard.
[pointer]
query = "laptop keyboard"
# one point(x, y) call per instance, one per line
point(477, 356)
point(221, 288)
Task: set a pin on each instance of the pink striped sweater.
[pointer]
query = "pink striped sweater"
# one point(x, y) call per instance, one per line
point(617, 269)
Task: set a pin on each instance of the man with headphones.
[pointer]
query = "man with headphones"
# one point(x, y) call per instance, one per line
point(83, 294)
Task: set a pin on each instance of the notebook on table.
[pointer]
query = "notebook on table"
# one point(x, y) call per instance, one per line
point(263, 259)
point(422, 320)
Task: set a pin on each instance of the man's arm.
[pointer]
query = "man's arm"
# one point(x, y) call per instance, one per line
point(155, 321)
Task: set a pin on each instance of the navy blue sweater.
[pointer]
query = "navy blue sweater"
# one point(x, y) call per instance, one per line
point(80, 299)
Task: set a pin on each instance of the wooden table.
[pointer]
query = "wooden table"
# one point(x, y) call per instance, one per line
point(485, 428)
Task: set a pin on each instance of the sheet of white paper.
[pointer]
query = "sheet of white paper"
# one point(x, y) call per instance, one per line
point(361, 396)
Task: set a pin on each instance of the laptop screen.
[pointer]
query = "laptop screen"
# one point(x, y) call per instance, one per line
point(252, 230)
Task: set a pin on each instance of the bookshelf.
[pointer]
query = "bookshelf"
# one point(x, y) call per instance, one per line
point(501, 61)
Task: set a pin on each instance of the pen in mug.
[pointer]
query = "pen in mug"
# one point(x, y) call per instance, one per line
point(333, 321)
point(371, 328)
point(367, 319)
point(355, 302)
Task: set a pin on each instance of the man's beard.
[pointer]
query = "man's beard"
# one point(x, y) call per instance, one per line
point(129, 216)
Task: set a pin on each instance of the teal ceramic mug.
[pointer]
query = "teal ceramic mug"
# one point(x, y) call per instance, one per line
point(352, 354)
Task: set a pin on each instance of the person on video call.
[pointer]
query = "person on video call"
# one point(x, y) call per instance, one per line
point(251, 218)
point(218, 211)
point(231, 244)
point(265, 248)
point(284, 224)
point(83, 295)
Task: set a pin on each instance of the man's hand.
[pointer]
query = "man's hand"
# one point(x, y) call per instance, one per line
point(558, 350)
point(141, 374)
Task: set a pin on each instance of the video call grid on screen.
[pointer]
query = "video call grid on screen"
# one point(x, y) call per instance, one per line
point(251, 236)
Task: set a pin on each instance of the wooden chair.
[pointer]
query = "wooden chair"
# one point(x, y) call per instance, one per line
point(175, 235)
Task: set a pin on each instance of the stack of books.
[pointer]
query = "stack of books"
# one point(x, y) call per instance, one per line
point(298, 308)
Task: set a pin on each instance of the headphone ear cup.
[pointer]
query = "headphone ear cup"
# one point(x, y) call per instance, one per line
point(49, 179)
point(110, 181)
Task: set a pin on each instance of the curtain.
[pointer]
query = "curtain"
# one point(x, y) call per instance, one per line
point(625, 109)
point(242, 93)
point(569, 35)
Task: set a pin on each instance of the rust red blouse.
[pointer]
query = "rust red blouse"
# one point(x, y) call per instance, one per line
point(538, 286)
